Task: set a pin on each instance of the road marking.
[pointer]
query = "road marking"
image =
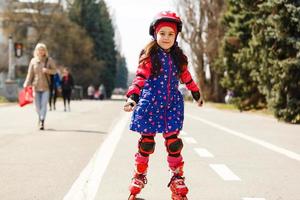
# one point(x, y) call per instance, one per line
point(267, 145)
point(190, 140)
point(225, 173)
point(249, 198)
point(86, 185)
point(203, 153)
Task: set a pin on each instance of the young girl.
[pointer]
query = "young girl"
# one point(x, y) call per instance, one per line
point(157, 104)
point(40, 68)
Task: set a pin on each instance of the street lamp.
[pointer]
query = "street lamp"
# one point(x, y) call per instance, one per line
point(11, 86)
point(11, 66)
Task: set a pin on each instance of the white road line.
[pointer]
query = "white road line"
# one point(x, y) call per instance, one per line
point(190, 140)
point(225, 173)
point(86, 185)
point(249, 198)
point(267, 145)
point(203, 153)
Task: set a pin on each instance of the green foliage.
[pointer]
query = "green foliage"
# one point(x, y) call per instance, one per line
point(276, 40)
point(68, 50)
point(122, 73)
point(260, 56)
point(68, 43)
point(93, 16)
point(235, 60)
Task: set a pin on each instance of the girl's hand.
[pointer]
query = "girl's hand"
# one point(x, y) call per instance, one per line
point(198, 98)
point(200, 102)
point(129, 105)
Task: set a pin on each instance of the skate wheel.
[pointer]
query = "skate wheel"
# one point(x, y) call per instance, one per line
point(131, 197)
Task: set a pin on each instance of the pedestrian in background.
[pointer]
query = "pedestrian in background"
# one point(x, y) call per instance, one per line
point(97, 94)
point(157, 104)
point(40, 68)
point(67, 84)
point(91, 91)
point(102, 92)
point(54, 90)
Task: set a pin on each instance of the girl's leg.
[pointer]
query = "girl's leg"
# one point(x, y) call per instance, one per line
point(146, 146)
point(174, 146)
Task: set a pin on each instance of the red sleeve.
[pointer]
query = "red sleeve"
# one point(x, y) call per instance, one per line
point(188, 80)
point(142, 74)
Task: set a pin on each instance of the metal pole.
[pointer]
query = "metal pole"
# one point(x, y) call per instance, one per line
point(11, 86)
point(11, 67)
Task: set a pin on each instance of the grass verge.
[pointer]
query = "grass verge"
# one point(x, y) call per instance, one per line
point(231, 107)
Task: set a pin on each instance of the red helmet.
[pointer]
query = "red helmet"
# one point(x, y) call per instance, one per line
point(165, 16)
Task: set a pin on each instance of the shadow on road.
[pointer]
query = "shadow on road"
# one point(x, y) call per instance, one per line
point(81, 131)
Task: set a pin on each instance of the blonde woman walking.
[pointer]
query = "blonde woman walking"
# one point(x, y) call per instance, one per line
point(40, 68)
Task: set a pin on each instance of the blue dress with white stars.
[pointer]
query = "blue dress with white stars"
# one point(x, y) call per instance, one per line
point(160, 108)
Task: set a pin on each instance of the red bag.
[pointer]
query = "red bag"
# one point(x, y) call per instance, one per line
point(25, 96)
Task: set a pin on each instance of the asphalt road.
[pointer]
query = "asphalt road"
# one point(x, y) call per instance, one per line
point(88, 154)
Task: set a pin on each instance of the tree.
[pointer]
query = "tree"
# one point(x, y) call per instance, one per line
point(74, 50)
point(214, 32)
point(122, 73)
point(260, 55)
point(67, 42)
point(193, 25)
point(26, 23)
point(107, 48)
point(203, 33)
point(29, 21)
point(94, 18)
point(276, 47)
point(234, 61)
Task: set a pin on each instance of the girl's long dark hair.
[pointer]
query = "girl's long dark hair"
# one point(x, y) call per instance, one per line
point(151, 50)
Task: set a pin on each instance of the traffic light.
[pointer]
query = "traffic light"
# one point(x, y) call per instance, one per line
point(18, 49)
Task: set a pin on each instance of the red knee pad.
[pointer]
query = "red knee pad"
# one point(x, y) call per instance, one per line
point(146, 145)
point(174, 145)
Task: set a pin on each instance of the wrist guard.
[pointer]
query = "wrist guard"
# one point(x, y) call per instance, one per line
point(196, 95)
point(135, 98)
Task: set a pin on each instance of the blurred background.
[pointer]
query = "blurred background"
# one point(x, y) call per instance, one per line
point(242, 53)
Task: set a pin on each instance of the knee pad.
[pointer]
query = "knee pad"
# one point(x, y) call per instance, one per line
point(174, 146)
point(146, 145)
